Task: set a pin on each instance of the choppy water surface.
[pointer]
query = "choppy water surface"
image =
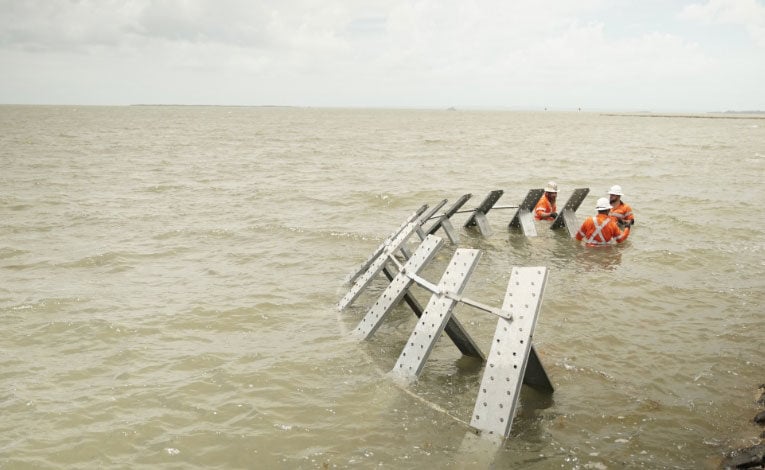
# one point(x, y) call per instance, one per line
point(170, 276)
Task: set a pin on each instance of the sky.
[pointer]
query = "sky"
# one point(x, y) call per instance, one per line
point(619, 55)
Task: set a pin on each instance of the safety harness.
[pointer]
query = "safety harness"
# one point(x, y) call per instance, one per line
point(598, 232)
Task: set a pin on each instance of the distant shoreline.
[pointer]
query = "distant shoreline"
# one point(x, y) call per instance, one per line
point(747, 115)
point(753, 114)
point(219, 105)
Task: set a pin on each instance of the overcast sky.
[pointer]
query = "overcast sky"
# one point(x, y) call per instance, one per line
point(659, 55)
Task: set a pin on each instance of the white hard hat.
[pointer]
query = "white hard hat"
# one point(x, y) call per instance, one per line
point(616, 190)
point(551, 187)
point(603, 204)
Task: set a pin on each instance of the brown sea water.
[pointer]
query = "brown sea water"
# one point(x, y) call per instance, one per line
point(169, 279)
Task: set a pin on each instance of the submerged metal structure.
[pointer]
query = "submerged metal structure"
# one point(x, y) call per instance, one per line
point(512, 359)
point(567, 217)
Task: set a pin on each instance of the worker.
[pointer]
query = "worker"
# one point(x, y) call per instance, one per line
point(600, 229)
point(621, 212)
point(546, 208)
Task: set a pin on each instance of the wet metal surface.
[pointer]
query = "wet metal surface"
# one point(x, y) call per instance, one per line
point(523, 218)
point(508, 358)
point(485, 206)
point(397, 288)
point(436, 315)
point(573, 203)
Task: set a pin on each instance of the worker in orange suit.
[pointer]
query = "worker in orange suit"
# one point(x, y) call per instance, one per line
point(600, 229)
point(546, 208)
point(621, 212)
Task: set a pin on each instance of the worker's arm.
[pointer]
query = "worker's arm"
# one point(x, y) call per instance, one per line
point(583, 229)
point(623, 235)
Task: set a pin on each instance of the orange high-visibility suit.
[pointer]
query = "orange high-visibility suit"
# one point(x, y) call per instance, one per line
point(600, 229)
point(622, 213)
point(544, 206)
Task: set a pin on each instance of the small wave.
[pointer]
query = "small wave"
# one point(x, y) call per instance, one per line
point(49, 304)
point(6, 253)
point(103, 259)
point(171, 234)
point(161, 188)
point(120, 260)
point(217, 233)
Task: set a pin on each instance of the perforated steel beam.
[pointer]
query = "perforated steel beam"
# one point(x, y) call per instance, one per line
point(570, 222)
point(484, 207)
point(397, 287)
point(451, 234)
point(567, 217)
point(446, 215)
point(454, 329)
point(365, 265)
point(377, 264)
point(528, 227)
point(509, 356)
point(435, 317)
point(523, 217)
point(483, 224)
point(427, 215)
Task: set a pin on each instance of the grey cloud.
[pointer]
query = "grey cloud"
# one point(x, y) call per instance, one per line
point(54, 25)
point(51, 25)
point(237, 22)
point(37, 24)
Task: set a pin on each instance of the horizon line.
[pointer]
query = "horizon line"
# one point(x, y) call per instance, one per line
point(673, 113)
